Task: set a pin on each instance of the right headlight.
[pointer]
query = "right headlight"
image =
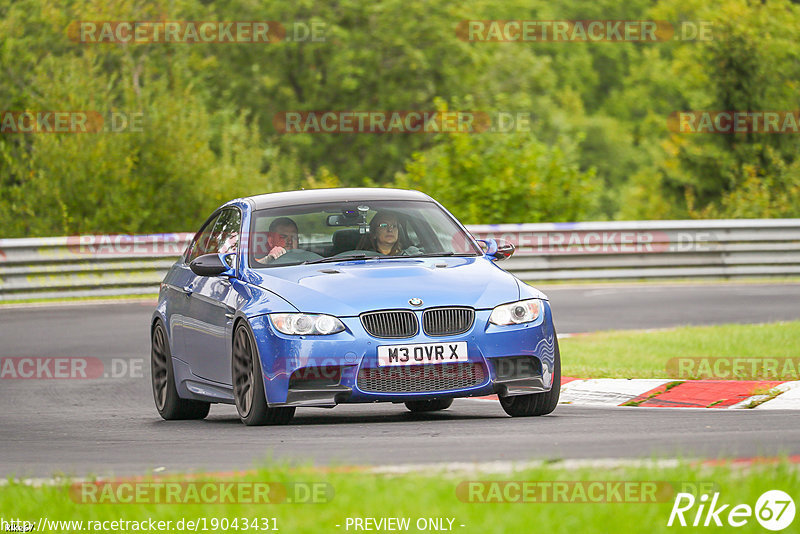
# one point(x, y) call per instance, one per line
point(306, 324)
point(522, 311)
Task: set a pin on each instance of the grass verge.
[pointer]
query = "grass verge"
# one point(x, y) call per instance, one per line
point(98, 298)
point(449, 495)
point(641, 354)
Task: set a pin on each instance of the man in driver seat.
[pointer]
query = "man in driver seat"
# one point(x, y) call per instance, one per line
point(281, 237)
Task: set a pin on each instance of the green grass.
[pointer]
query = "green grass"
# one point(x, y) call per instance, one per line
point(641, 354)
point(363, 494)
point(99, 298)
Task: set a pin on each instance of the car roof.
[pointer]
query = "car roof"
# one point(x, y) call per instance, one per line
point(341, 194)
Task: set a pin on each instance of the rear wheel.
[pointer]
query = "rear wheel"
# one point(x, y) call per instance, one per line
point(536, 403)
point(248, 384)
point(429, 405)
point(169, 405)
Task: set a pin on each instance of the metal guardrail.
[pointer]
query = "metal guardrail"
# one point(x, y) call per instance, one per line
point(80, 266)
point(128, 265)
point(651, 249)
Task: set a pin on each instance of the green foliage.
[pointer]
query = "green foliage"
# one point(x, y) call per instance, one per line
point(599, 147)
point(503, 178)
point(751, 64)
point(187, 158)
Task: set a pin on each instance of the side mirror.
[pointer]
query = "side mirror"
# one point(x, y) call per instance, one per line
point(214, 265)
point(497, 249)
point(504, 249)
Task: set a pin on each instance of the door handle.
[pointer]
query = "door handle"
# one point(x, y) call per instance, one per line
point(188, 289)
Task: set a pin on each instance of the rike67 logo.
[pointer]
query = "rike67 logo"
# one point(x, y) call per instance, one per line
point(774, 510)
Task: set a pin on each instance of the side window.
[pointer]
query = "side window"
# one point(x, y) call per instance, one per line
point(224, 237)
point(198, 245)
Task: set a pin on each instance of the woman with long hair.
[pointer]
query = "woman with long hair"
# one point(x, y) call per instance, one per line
point(384, 235)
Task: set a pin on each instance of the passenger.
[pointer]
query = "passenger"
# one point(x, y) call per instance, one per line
point(281, 237)
point(384, 235)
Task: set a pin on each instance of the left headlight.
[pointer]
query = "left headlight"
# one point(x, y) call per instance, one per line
point(523, 311)
point(305, 324)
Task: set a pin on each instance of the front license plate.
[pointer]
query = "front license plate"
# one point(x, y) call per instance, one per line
point(391, 355)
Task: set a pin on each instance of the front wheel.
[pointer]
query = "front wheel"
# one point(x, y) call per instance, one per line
point(429, 405)
point(536, 403)
point(248, 384)
point(169, 405)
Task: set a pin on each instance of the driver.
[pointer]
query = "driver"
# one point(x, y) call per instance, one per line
point(281, 237)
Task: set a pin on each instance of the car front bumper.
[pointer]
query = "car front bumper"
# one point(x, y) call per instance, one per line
point(330, 370)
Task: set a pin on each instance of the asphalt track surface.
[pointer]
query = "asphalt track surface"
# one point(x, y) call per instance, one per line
point(109, 425)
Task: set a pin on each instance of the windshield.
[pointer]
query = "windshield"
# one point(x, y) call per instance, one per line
point(354, 230)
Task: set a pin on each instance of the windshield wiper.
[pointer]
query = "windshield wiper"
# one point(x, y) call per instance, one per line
point(439, 254)
point(352, 257)
point(346, 257)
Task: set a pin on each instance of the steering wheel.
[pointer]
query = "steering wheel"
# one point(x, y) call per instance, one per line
point(295, 255)
point(367, 253)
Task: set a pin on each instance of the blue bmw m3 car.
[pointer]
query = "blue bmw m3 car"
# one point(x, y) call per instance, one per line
point(322, 297)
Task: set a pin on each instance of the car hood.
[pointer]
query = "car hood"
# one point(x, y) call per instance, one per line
point(352, 287)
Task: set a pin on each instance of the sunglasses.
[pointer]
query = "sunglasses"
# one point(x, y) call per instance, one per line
point(387, 226)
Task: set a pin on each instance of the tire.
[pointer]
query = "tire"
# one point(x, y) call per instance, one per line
point(165, 394)
point(248, 384)
point(429, 405)
point(536, 403)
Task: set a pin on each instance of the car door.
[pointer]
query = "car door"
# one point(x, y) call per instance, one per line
point(180, 283)
point(212, 303)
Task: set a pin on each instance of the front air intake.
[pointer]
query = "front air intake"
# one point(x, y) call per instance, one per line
point(422, 378)
point(391, 324)
point(447, 321)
